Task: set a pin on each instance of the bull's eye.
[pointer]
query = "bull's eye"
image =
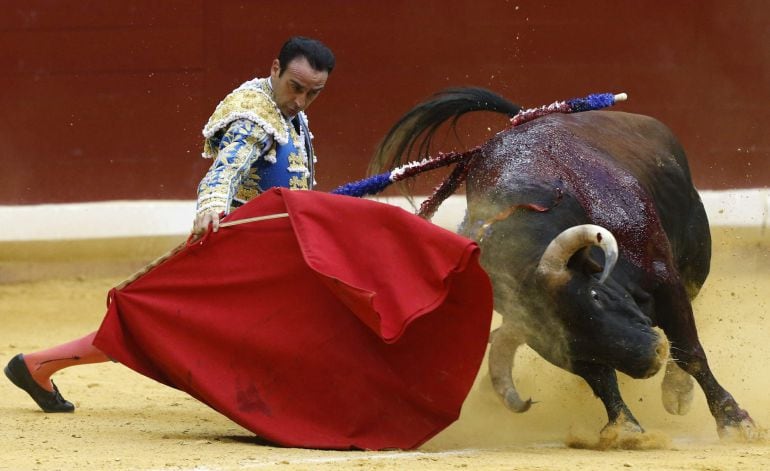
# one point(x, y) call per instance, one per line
point(594, 295)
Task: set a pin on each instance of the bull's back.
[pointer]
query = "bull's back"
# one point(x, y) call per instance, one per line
point(628, 172)
point(650, 152)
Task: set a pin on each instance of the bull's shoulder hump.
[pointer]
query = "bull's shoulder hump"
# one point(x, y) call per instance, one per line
point(595, 123)
point(608, 129)
point(617, 121)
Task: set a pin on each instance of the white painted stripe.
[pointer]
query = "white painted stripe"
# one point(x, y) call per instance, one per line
point(106, 219)
point(139, 218)
point(738, 207)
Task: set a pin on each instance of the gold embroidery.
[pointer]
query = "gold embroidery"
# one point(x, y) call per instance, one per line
point(254, 105)
point(295, 139)
point(297, 183)
point(296, 163)
point(246, 194)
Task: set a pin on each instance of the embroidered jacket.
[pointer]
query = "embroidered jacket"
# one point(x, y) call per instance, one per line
point(254, 148)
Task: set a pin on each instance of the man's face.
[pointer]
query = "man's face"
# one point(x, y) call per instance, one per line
point(299, 85)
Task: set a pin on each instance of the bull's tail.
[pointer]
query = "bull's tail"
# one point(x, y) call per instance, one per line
point(413, 133)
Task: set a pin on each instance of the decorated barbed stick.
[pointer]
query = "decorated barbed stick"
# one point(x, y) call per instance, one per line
point(575, 105)
point(377, 183)
point(592, 102)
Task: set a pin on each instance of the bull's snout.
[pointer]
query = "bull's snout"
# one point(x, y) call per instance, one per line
point(661, 354)
point(647, 357)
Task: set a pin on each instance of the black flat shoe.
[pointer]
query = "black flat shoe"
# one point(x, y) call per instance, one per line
point(18, 373)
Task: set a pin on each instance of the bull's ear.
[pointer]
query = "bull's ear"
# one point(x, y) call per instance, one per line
point(584, 263)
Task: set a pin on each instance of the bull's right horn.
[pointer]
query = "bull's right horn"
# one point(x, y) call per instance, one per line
point(554, 260)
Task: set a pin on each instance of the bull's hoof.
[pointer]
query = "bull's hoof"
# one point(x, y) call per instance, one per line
point(621, 427)
point(622, 435)
point(677, 390)
point(630, 436)
point(513, 402)
point(744, 431)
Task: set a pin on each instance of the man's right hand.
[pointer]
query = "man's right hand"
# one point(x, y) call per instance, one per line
point(202, 221)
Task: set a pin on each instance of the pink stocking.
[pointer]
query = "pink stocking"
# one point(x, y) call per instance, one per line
point(44, 363)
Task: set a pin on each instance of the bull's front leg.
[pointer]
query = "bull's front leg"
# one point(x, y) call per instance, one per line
point(604, 383)
point(732, 421)
point(504, 342)
point(687, 351)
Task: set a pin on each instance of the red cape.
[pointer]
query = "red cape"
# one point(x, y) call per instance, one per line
point(348, 324)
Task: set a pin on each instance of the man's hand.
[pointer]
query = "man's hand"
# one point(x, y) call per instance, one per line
point(202, 221)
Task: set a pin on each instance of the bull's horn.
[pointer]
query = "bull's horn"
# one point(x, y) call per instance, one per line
point(565, 245)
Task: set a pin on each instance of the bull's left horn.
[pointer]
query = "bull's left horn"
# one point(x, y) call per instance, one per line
point(565, 245)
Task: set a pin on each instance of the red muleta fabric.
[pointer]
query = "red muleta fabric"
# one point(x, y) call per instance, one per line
point(349, 324)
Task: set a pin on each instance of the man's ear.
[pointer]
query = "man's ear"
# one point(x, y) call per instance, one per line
point(275, 69)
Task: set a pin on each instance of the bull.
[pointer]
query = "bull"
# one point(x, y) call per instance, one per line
point(595, 240)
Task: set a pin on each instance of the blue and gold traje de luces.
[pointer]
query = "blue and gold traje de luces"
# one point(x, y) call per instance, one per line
point(254, 147)
point(290, 169)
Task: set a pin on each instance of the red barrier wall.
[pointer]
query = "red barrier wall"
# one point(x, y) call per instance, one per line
point(105, 100)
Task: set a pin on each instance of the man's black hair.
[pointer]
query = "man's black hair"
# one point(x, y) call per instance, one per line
point(317, 54)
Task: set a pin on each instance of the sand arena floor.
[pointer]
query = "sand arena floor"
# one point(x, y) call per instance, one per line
point(51, 293)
